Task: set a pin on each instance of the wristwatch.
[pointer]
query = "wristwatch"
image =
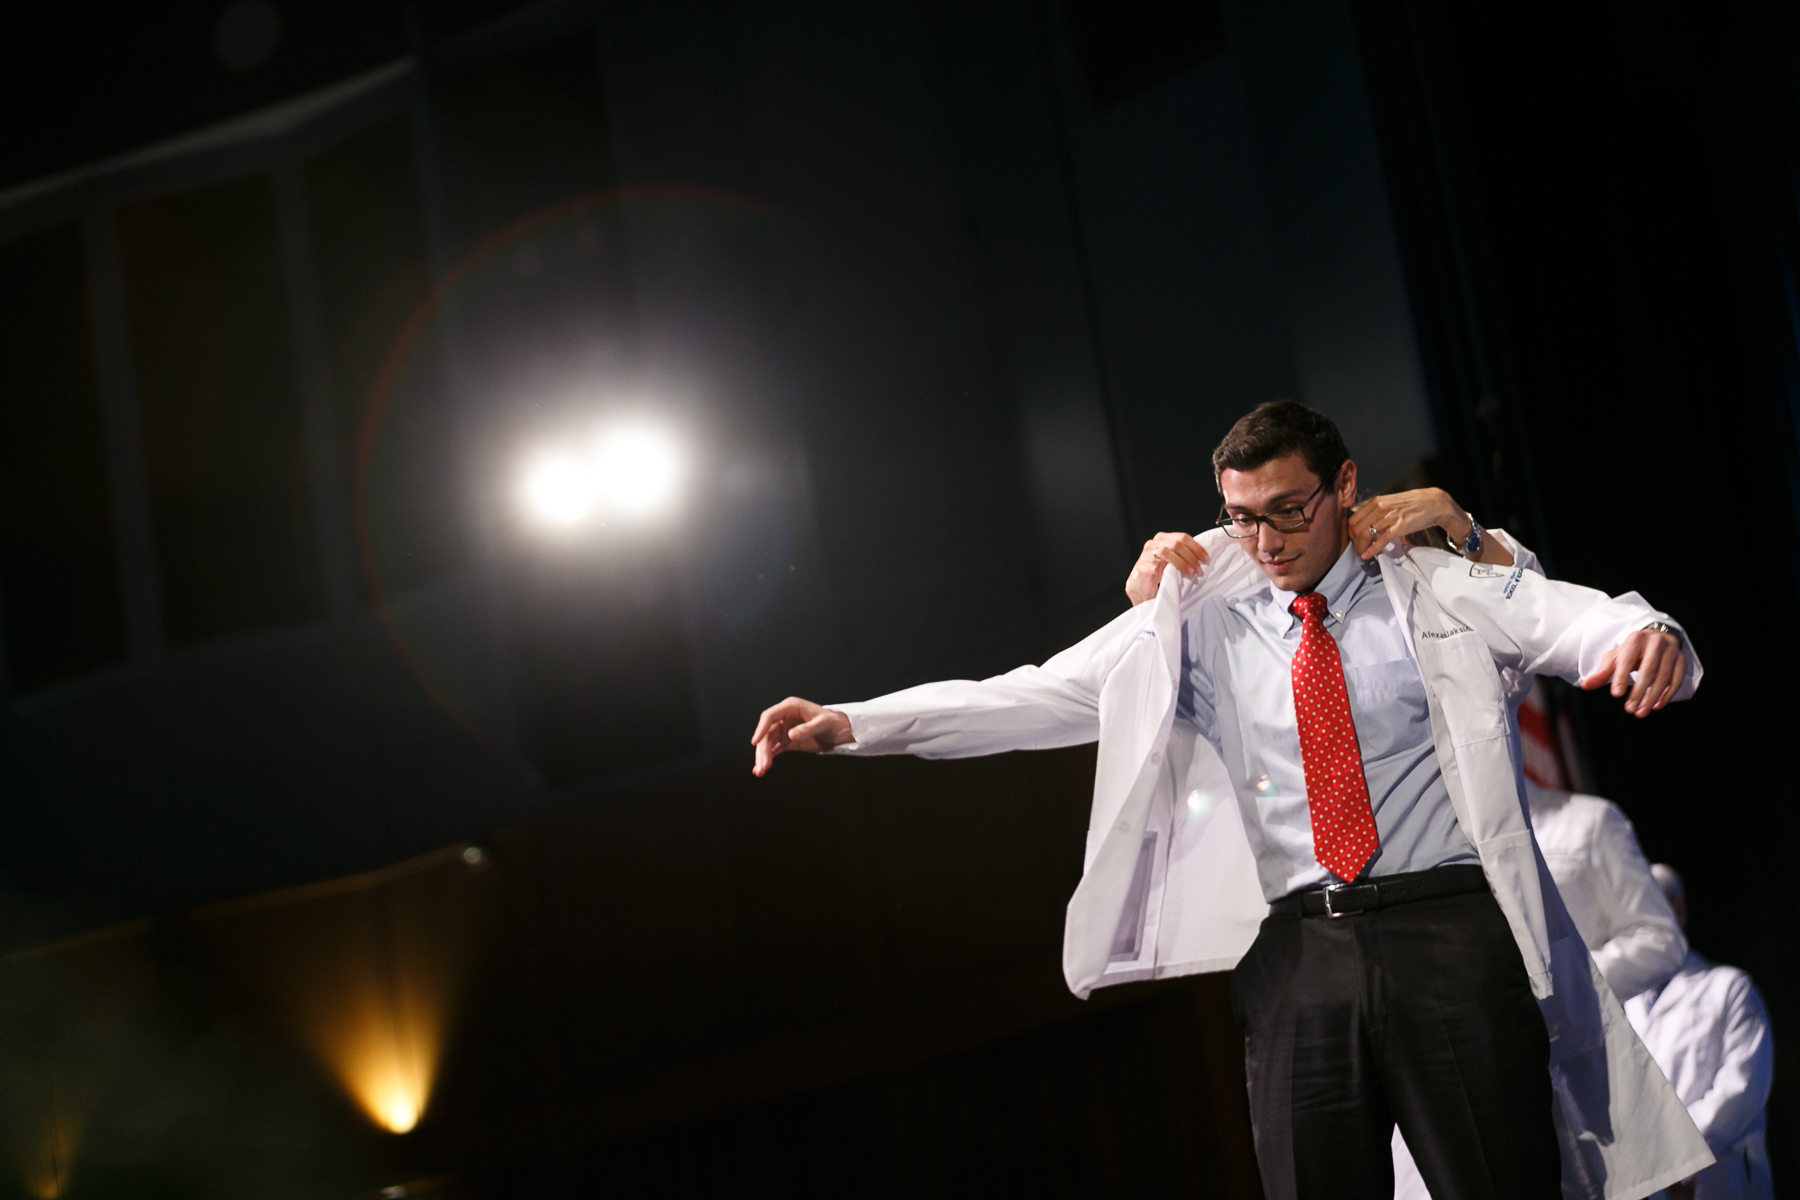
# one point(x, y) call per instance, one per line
point(1659, 627)
point(1472, 544)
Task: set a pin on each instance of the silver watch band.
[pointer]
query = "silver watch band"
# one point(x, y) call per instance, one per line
point(1471, 545)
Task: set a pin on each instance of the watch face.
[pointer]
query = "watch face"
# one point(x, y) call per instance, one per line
point(1472, 544)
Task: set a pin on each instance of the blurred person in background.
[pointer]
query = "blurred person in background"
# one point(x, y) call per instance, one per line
point(1709, 1032)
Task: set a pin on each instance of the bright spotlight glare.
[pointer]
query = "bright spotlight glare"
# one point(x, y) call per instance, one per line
point(637, 470)
point(560, 489)
point(630, 471)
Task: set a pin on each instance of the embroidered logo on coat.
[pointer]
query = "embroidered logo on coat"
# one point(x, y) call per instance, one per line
point(1483, 571)
point(1434, 634)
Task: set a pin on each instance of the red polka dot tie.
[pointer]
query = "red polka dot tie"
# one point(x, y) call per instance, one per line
point(1337, 795)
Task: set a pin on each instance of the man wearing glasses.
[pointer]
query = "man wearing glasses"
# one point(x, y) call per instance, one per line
point(1401, 956)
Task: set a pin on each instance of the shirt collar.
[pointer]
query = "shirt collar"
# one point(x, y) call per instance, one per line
point(1339, 586)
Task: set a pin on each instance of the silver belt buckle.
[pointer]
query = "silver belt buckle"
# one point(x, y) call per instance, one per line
point(1330, 888)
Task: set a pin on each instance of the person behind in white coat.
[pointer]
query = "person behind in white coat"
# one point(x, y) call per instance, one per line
point(1709, 1032)
point(1413, 963)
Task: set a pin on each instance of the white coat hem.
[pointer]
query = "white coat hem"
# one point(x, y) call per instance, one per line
point(1622, 1190)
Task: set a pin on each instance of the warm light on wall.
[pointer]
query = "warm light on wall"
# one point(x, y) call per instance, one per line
point(396, 1104)
point(368, 971)
point(383, 1042)
point(52, 1155)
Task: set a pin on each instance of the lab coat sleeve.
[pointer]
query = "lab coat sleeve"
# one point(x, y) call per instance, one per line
point(1030, 708)
point(1644, 946)
point(1728, 1110)
point(1516, 685)
point(1523, 555)
point(1541, 626)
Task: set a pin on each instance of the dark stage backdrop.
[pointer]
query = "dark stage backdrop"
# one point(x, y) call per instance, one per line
point(1598, 208)
point(323, 776)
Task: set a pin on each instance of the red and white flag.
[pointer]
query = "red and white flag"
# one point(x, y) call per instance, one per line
point(1548, 745)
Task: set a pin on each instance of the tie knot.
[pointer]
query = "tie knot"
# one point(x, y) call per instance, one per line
point(1309, 606)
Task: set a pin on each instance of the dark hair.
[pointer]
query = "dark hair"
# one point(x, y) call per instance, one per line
point(1278, 428)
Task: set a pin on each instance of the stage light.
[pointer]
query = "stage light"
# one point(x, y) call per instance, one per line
point(637, 470)
point(630, 471)
point(559, 489)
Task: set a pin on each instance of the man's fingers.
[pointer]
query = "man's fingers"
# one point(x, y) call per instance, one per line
point(773, 729)
point(1179, 550)
point(1192, 551)
point(1373, 515)
point(1660, 667)
point(806, 734)
point(1671, 668)
point(1676, 675)
point(765, 756)
point(1621, 674)
point(1178, 557)
point(1660, 674)
point(1601, 673)
point(1637, 700)
point(775, 714)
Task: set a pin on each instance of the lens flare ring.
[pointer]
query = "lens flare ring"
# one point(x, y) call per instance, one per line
point(407, 342)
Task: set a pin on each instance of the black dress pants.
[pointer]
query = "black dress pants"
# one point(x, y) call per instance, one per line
point(1419, 1014)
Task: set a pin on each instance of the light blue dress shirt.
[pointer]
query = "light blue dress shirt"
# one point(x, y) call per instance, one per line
point(1237, 656)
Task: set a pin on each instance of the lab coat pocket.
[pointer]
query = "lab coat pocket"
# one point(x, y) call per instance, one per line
point(1462, 674)
point(1128, 939)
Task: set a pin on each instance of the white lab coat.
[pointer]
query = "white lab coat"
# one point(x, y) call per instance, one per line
point(1131, 917)
point(1605, 882)
point(1710, 1033)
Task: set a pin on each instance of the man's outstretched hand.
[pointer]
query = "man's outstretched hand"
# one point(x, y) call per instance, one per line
point(1660, 667)
point(797, 724)
point(1177, 550)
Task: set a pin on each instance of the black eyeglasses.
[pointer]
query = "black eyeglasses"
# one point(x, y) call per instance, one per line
point(1282, 520)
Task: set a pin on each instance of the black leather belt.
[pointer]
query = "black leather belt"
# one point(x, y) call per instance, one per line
point(1384, 891)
